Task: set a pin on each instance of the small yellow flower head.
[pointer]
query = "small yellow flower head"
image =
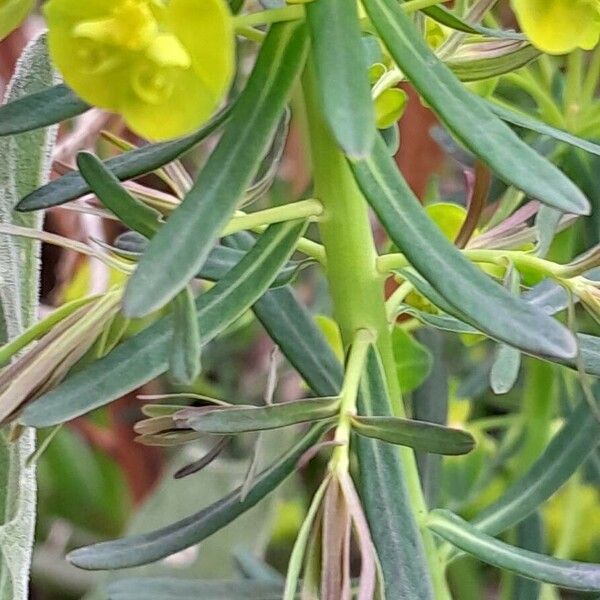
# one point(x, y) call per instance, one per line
point(165, 66)
point(12, 13)
point(559, 26)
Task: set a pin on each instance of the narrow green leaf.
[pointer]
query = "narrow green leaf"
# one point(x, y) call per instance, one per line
point(386, 500)
point(467, 117)
point(134, 214)
point(480, 301)
point(490, 59)
point(526, 122)
point(40, 109)
point(507, 364)
point(294, 568)
point(145, 355)
point(426, 437)
point(186, 342)
point(128, 165)
point(564, 573)
point(149, 547)
point(341, 74)
point(182, 245)
point(568, 450)
point(530, 535)
point(154, 588)
point(449, 19)
point(258, 418)
point(219, 262)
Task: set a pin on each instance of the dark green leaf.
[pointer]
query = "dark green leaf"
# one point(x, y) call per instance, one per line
point(186, 342)
point(563, 573)
point(474, 297)
point(386, 500)
point(426, 437)
point(125, 166)
point(134, 214)
point(341, 74)
point(219, 262)
point(566, 452)
point(47, 107)
point(149, 588)
point(467, 117)
point(522, 120)
point(530, 535)
point(145, 355)
point(475, 67)
point(149, 547)
point(258, 418)
point(449, 19)
point(182, 245)
point(507, 364)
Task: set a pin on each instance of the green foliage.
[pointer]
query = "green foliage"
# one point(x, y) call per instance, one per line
point(422, 429)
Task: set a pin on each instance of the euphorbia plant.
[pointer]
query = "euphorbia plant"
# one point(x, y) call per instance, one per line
point(166, 67)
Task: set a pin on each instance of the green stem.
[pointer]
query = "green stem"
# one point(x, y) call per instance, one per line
point(304, 209)
point(340, 459)
point(521, 260)
point(355, 285)
point(274, 15)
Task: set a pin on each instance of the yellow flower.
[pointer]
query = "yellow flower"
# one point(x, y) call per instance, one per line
point(12, 13)
point(164, 66)
point(559, 26)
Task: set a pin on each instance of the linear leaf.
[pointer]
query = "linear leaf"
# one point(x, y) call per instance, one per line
point(564, 573)
point(476, 65)
point(145, 355)
point(258, 418)
point(341, 74)
point(427, 437)
point(182, 245)
point(154, 588)
point(220, 260)
point(134, 214)
point(468, 118)
point(40, 109)
point(386, 500)
point(569, 448)
point(526, 122)
point(449, 19)
point(125, 166)
point(186, 342)
point(481, 302)
point(149, 547)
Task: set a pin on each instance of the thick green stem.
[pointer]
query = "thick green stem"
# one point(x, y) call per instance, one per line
point(355, 285)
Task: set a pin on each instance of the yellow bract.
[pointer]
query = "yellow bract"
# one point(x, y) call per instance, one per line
point(560, 26)
point(165, 66)
point(12, 12)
